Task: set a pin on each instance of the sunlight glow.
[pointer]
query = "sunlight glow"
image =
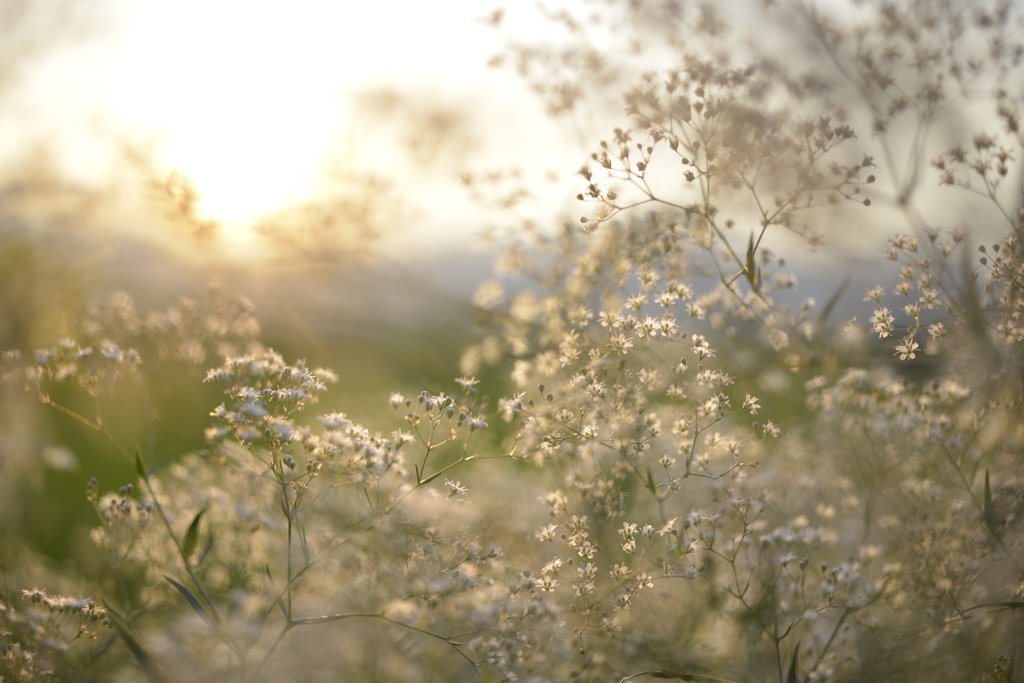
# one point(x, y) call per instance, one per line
point(250, 96)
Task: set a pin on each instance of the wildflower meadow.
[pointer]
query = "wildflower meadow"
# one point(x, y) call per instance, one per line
point(660, 455)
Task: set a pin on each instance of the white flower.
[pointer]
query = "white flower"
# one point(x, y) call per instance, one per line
point(881, 322)
point(905, 349)
point(335, 420)
point(455, 488)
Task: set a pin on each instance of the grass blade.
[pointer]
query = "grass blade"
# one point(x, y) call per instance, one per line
point(750, 268)
point(189, 544)
point(198, 607)
point(791, 676)
point(650, 483)
point(140, 467)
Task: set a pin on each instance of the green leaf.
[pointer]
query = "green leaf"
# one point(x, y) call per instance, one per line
point(988, 512)
point(750, 269)
point(432, 477)
point(791, 676)
point(189, 544)
point(140, 466)
point(198, 607)
point(650, 484)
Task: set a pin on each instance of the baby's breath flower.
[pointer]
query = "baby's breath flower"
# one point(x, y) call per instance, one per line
point(326, 375)
point(455, 488)
point(778, 339)
point(620, 343)
point(335, 420)
point(875, 294)
point(557, 501)
point(701, 347)
point(552, 567)
point(666, 299)
point(619, 572)
point(906, 349)
point(881, 322)
point(610, 319)
point(636, 302)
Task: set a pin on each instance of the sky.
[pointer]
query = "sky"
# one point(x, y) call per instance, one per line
point(264, 104)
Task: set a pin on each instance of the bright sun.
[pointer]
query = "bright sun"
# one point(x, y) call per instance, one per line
point(250, 96)
point(256, 102)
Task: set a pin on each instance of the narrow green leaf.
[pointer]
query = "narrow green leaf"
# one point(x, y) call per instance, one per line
point(651, 485)
point(988, 512)
point(140, 466)
point(432, 477)
point(189, 544)
point(750, 268)
point(791, 676)
point(197, 606)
